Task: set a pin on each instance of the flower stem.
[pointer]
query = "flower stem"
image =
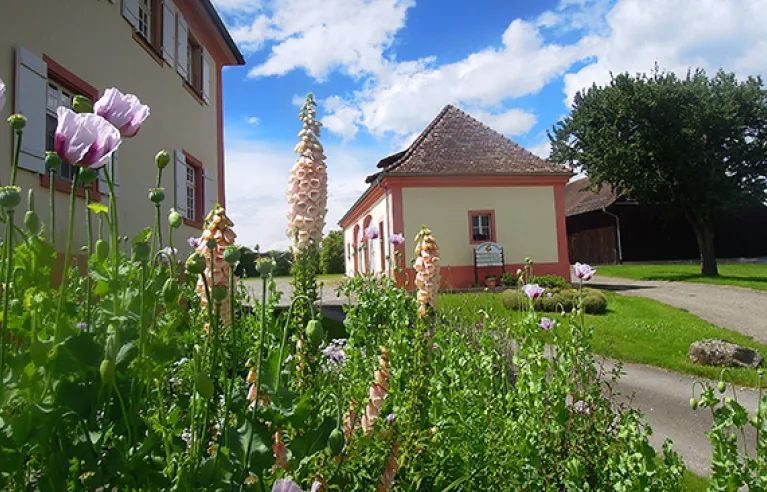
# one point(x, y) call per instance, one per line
point(67, 256)
point(8, 255)
point(246, 459)
point(52, 200)
point(174, 261)
point(89, 229)
point(15, 167)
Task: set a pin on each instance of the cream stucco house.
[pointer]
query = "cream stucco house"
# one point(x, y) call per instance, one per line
point(470, 185)
point(169, 53)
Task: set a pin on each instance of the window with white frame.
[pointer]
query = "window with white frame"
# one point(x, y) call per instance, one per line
point(56, 96)
point(145, 19)
point(191, 193)
point(481, 227)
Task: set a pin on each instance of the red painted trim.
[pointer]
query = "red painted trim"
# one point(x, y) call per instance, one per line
point(362, 206)
point(220, 125)
point(70, 81)
point(65, 187)
point(203, 28)
point(491, 213)
point(199, 183)
point(463, 181)
point(559, 212)
point(356, 250)
point(366, 260)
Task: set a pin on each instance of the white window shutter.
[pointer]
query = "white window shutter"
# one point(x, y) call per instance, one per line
point(182, 44)
point(206, 73)
point(211, 197)
point(168, 31)
point(180, 179)
point(130, 12)
point(31, 93)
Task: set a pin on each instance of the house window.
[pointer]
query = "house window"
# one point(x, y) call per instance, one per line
point(191, 184)
point(145, 19)
point(482, 225)
point(194, 64)
point(57, 96)
point(191, 193)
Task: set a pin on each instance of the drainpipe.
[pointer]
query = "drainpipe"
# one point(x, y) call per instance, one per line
point(618, 231)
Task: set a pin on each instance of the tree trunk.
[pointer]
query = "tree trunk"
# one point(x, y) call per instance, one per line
point(705, 237)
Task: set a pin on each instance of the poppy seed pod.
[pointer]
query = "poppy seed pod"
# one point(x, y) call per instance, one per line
point(232, 255)
point(336, 442)
point(140, 251)
point(156, 195)
point(162, 159)
point(264, 266)
point(10, 197)
point(314, 333)
point(219, 293)
point(89, 175)
point(52, 160)
point(17, 121)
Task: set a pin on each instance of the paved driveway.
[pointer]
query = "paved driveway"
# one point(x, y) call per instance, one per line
point(736, 308)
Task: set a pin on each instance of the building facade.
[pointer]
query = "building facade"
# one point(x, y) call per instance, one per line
point(469, 185)
point(169, 53)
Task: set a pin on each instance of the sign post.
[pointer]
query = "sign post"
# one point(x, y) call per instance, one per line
point(485, 255)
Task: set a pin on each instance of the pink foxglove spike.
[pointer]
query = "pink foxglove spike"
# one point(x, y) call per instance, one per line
point(427, 270)
point(218, 227)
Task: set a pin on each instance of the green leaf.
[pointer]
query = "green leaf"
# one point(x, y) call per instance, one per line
point(312, 441)
point(126, 354)
point(79, 396)
point(98, 208)
point(76, 354)
point(161, 352)
point(142, 236)
point(261, 457)
point(102, 288)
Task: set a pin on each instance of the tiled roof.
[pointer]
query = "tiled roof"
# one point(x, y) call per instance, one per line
point(579, 199)
point(456, 143)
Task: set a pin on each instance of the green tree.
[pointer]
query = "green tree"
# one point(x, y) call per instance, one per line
point(696, 145)
point(332, 253)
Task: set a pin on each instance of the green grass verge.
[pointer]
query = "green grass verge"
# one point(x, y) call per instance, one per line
point(694, 483)
point(750, 276)
point(639, 330)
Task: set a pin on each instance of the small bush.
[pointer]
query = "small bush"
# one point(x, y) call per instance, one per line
point(548, 281)
point(555, 300)
point(508, 279)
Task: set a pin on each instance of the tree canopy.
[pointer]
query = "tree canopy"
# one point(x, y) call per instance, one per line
point(332, 253)
point(696, 144)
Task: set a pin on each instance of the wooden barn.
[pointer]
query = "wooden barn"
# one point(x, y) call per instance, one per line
point(605, 229)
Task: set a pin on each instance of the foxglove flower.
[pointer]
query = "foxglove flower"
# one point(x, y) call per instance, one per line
point(371, 233)
point(546, 324)
point(397, 239)
point(427, 270)
point(218, 228)
point(124, 111)
point(378, 392)
point(84, 139)
point(390, 472)
point(280, 452)
point(307, 183)
point(584, 271)
point(2, 94)
point(533, 290)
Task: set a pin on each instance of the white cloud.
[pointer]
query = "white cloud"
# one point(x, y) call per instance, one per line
point(341, 117)
point(234, 6)
point(679, 35)
point(542, 149)
point(319, 36)
point(254, 120)
point(257, 177)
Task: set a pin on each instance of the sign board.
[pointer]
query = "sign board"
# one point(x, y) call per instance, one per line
point(488, 254)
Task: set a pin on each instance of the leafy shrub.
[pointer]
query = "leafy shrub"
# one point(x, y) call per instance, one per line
point(283, 260)
point(332, 253)
point(548, 281)
point(508, 279)
point(555, 300)
point(246, 268)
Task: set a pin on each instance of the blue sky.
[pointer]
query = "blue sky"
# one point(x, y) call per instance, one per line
point(382, 69)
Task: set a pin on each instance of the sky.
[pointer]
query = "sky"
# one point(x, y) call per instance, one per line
point(381, 70)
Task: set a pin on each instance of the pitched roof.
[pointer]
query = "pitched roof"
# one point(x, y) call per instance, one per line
point(223, 31)
point(456, 143)
point(579, 199)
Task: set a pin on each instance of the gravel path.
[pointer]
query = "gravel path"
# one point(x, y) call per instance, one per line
point(735, 308)
point(327, 290)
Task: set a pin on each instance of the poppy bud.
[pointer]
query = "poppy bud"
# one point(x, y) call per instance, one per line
point(81, 104)
point(157, 195)
point(721, 386)
point(107, 370)
point(52, 160)
point(17, 121)
point(204, 385)
point(315, 333)
point(32, 222)
point(174, 219)
point(170, 291)
point(264, 266)
point(693, 403)
point(88, 175)
point(162, 159)
point(219, 293)
point(102, 250)
point(232, 255)
point(195, 264)
point(336, 442)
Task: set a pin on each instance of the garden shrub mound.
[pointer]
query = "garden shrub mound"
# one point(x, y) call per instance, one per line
point(557, 300)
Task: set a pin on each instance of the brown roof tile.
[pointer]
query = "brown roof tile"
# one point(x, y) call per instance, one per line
point(456, 143)
point(579, 199)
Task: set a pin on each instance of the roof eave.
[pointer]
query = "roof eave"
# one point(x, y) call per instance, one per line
point(224, 32)
point(359, 200)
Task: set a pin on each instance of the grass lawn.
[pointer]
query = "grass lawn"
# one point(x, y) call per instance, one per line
point(750, 276)
point(639, 330)
point(694, 483)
